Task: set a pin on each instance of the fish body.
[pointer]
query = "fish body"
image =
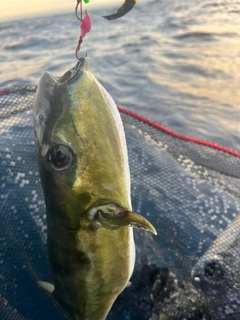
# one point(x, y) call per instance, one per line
point(213, 289)
point(84, 170)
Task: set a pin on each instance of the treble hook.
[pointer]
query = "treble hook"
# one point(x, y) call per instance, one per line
point(124, 9)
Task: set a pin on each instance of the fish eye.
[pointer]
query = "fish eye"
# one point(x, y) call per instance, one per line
point(60, 158)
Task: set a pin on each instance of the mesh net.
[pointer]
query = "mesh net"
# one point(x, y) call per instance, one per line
point(189, 191)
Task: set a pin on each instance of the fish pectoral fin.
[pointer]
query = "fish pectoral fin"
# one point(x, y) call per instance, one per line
point(46, 286)
point(118, 219)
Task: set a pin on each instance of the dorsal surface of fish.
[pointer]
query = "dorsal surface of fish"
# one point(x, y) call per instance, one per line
point(84, 170)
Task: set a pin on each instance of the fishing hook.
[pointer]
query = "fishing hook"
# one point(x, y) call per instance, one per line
point(80, 19)
point(76, 8)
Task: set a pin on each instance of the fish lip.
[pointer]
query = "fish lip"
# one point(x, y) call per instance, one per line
point(73, 74)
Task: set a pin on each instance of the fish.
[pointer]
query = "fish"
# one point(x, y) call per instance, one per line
point(213, 289)
point(124, 9)
point(84, 170)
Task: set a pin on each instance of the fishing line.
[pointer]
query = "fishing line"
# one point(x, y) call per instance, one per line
point(85, 24)
point(76, 9)
point(80, 19)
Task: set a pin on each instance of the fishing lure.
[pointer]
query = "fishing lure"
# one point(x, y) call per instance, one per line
point(85, 24)
point(124, 9)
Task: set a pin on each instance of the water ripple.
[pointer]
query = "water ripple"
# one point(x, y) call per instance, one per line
point(196, 36)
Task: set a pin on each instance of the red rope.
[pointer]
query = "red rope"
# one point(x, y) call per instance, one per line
point(5, 91)
point(178, 135)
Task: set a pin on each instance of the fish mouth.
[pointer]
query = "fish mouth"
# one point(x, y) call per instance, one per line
point(73, 74)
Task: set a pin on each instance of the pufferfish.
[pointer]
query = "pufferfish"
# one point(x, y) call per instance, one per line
point(83, 165)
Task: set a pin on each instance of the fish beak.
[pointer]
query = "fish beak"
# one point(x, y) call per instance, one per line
point(48, 86)
point(75, 73)
point(70, 76)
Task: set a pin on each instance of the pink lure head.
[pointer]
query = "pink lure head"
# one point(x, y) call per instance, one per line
point(86, 24)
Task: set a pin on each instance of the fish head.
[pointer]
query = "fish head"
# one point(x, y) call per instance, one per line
point(79, 147)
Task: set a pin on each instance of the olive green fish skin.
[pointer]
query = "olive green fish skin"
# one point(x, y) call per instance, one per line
point(90, 264)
